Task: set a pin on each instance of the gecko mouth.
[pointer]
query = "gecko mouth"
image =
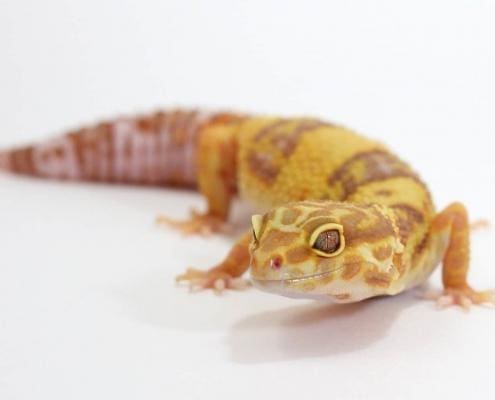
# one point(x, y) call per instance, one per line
point(290, 287)
point(269, 284)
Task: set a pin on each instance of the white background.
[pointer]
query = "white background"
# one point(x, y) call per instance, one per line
point(88, 308)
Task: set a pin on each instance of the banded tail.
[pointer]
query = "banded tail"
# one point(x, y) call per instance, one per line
point(154, 149)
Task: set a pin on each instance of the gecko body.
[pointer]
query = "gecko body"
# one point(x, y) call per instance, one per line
point(340, 216)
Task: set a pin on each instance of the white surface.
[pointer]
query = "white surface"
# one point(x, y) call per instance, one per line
point(87, 304)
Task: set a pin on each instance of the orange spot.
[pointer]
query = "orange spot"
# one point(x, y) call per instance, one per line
point(290, 216)
point(263, 166)
point(375, 278)
point(275, 239)
point(382, 253)
point(351, 270)
point(381, 227)
point(369, 166)
point(398, 264)
point(298, 254)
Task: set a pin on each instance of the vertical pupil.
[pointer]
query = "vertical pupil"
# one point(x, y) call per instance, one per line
point(328, 241)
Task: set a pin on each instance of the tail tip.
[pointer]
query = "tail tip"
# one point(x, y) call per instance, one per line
point(4, 161)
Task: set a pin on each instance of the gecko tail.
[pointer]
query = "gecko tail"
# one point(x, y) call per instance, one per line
point(154, 149)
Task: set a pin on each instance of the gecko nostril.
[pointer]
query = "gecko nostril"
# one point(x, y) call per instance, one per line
point(276, 262)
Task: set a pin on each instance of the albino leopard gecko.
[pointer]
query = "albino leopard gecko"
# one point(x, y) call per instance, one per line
point(341, 217)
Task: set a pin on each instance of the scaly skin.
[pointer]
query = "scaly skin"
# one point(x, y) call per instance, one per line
point(316, 184)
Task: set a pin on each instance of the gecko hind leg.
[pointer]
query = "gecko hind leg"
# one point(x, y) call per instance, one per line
point(225, 275)
point(217, 166)
point(199, 223)
point(453, 222)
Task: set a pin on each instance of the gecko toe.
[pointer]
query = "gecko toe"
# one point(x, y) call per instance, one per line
point(201, 224)
point(198, 280)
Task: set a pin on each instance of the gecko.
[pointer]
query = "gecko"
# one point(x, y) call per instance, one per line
point(339, 216)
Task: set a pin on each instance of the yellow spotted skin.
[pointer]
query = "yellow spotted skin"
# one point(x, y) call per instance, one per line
point(318, 184)
point(340, 217)
point(289, 160)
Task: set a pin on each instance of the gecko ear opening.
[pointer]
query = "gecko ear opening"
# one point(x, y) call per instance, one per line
point(256, 221)
point(328, 240)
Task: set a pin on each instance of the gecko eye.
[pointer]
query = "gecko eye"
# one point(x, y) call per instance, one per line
point(328, 240)
point(256, 221)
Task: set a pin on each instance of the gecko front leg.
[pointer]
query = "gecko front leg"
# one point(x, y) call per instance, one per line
point(217, 167)
point(227, 274)
point(453, 223)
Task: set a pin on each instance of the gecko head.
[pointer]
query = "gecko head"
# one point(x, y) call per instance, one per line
point(338, 251)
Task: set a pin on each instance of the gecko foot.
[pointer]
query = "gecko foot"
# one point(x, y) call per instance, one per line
point(463, 297)
point(218, 281)
point(203, 224)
